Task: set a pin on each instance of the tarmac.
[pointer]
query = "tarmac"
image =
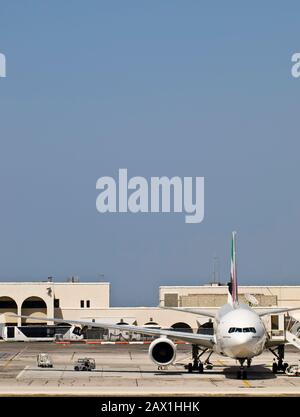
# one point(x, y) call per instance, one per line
point(126, 370)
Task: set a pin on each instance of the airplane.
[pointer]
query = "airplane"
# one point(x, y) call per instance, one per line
point(239, 332)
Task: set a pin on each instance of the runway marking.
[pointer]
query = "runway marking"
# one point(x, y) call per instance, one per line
point(247, 383)
point(7, 363)
point(10, 359)
point(22, 372)
point(291, 382)
point(213, 382)
point(3, 355)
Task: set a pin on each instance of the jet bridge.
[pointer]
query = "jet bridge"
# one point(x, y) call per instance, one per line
point(292, 331)
point(284, 329)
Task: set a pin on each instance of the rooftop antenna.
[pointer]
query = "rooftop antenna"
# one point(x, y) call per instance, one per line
point(100, 276)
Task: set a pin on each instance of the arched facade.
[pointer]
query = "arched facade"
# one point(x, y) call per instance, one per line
point(8, 307)
point(123, 322)
point(33, 307)
point(206, 328)
point(183, 327)
point(35, 295)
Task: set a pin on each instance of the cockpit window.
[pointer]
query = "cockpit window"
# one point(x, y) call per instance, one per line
point(242, 330)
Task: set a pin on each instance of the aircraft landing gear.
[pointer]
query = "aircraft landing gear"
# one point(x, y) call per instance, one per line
point(279, 365)
point(242, 373)
point(249, 363)
point(197, 365)
point(207, 363)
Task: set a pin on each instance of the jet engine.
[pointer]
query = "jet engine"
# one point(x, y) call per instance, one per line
point(162, 351)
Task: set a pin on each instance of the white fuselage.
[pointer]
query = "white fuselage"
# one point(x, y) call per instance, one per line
point(239, 332)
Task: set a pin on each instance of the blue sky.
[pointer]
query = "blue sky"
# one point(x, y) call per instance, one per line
point(161, 88)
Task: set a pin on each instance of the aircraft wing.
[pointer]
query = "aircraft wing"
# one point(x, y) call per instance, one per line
point(265, 311)
point(201, 311)
point(212, 312)
point(199, 339)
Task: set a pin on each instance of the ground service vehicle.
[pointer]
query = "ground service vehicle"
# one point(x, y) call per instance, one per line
point(293, 370)
point(84, 364)
point(44, 360)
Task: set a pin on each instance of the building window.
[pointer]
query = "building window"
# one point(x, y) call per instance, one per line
point(56, 302)
point(82, 303)
point(275, 322)
point(171, 300)
point(88, 303)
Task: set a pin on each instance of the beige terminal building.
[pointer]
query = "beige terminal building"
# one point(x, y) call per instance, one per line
point(75, 300)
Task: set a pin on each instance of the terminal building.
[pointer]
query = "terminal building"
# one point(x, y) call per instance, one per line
point(74, 300)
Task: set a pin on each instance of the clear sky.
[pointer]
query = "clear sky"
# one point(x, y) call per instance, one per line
point(187, 88)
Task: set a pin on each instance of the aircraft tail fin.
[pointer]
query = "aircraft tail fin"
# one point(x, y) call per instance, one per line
point(232, 285)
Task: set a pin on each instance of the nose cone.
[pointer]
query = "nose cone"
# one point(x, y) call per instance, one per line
point(243, 346)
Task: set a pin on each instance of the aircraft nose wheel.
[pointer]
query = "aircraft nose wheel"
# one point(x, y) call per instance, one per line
point(242, 373)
